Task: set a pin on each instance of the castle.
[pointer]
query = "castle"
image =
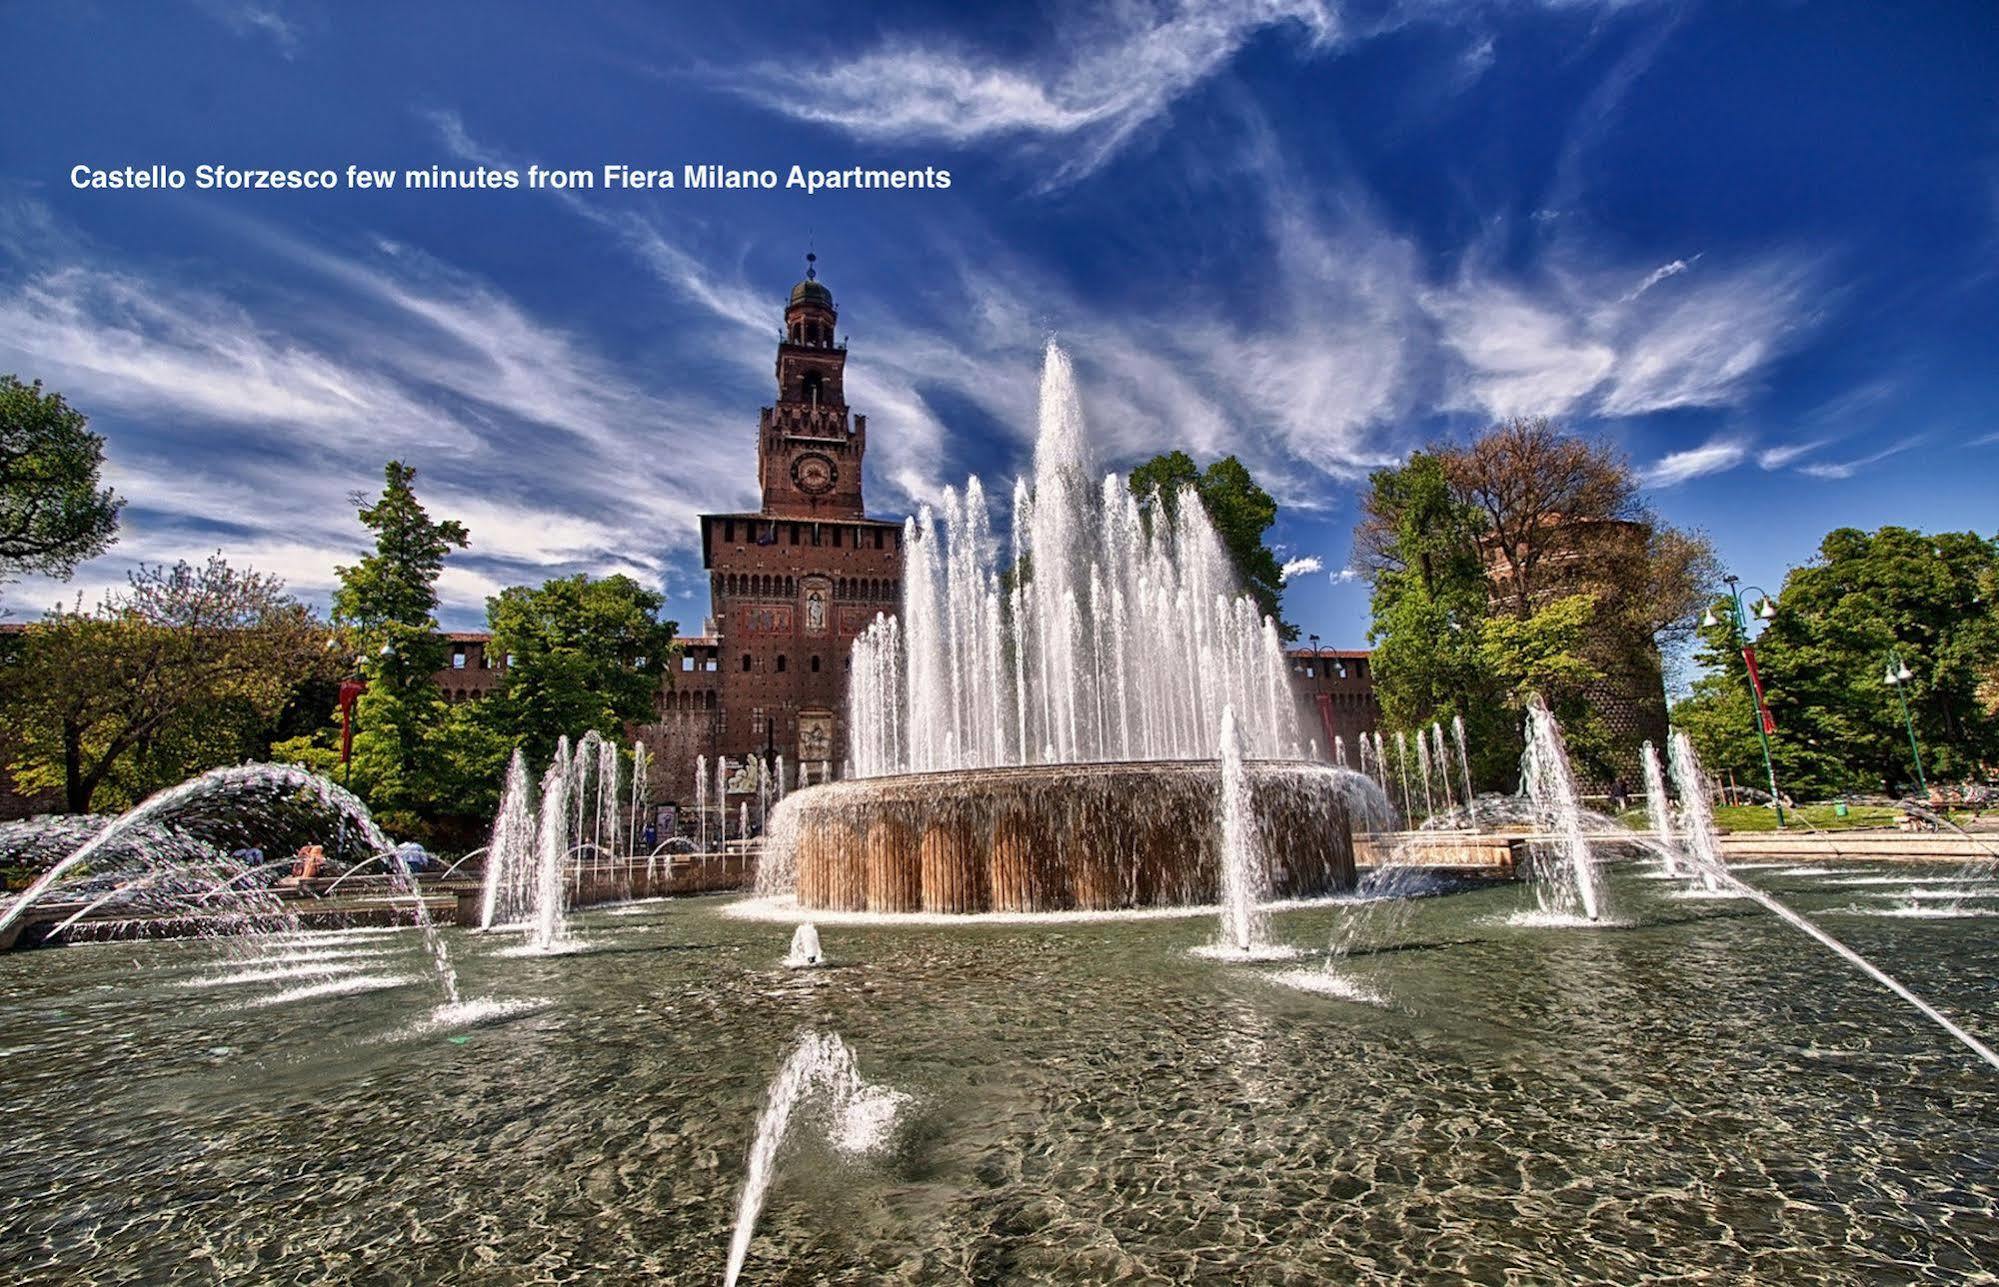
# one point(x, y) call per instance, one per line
point(791, 583)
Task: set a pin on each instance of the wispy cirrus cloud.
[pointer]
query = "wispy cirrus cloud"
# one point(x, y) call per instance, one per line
point(135, 345)
point(242, 420)
point(1106, 76)
point(1778, 457)
point(1561, 342)
point(1833, 470)
point(264, 18)
point(1679, 467)
point(1657, 275)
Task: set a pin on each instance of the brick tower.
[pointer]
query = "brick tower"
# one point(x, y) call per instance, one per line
point(792, 584)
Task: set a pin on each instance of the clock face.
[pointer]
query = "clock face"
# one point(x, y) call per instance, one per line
point(814, 473)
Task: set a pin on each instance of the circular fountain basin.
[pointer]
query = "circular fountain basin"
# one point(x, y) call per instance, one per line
point(1041, 838)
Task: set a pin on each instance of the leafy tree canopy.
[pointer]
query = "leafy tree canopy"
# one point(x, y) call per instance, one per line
point(582, 654)
point(53, 513)
point(1925, 599)
point(1520, 562)
point(383, 607)
point(1241, 511)
point(186, 669)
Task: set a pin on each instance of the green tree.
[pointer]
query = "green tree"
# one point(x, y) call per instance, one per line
point(1418, 544)
point(53, 513)
point(186, 669)
point(1549, 653)
point(1522, 561)
point(1242, 514)
point(385, 610)
point(1925, 598)
point(582, 654)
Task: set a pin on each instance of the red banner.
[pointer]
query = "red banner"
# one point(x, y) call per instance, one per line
point(350, 691)
point(1756, 684)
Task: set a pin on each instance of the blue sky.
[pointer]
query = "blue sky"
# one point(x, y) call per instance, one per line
point(1752, 244)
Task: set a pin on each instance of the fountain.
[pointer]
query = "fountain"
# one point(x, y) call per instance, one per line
point(859, 1117)
point(1659, 809)
point(635, 825)
point(237, 785)
point(1464, 768)
point(546, 927)
point(1245, 872)
point(1042, 739)
point(805, 952)
point(1696, 831)
point(701, 798)
point(1704, 848)
point(1569, 883)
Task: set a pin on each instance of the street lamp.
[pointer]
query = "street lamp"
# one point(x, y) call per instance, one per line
point(1738, 627)
point(1897, 677)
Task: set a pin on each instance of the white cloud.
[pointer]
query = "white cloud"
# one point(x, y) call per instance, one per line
point(149, 346)
point(245, 18)
point(1702, 348)
point(1657, 275)
point(1696, 462)
point(1103, 79)
point(1834, 470)
point(1779, 456)
point(521, 430)
point(1561, 342)
point(1300, 567)
point(1520, 354)
point(1343, 576)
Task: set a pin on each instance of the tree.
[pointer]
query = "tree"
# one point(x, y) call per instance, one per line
point(184, 670)
point(1523, 561)
point(53, 514)
point(1926, 599)
point(1240, 510)
point(582, 654)
point(1419, 545)
point(1546, 497)
point(384, 609)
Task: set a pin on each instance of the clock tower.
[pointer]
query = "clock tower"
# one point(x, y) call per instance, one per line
point(808, 447)
point(791, 584)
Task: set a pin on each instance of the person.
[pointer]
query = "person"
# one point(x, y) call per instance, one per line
point(308, 862)
point(652, 836)
point(1620, 795)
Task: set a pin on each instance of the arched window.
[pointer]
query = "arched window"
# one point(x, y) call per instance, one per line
point(780, 663)
point(746, 662)
point(815, 663)
point(813, 385)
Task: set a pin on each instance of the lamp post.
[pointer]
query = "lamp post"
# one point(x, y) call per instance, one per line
point(1897, 677)
point(1738, 626)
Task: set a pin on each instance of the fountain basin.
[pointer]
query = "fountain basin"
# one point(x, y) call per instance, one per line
point(1040, 838)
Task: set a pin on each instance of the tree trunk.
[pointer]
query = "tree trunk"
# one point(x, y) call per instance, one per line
point(77, 790)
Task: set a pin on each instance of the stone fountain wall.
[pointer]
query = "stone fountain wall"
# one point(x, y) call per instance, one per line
point(1093, 837)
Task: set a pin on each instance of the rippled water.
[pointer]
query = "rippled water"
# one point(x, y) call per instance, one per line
point(1703, 1091)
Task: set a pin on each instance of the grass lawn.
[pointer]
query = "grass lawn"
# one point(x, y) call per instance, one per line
point(1750, 817)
